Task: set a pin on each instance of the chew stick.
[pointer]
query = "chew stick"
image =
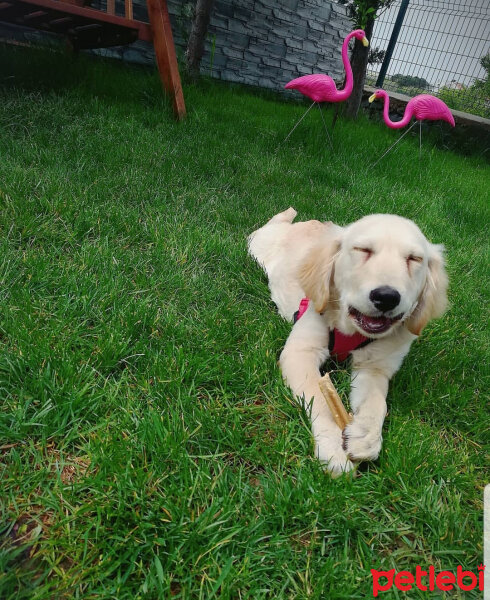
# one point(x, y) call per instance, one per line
point(334, 402)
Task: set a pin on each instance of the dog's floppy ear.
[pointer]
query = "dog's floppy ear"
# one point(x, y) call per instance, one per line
point(433, 300)
point(316, 273)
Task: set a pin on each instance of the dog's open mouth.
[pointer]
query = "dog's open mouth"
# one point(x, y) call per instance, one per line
point(373, 325)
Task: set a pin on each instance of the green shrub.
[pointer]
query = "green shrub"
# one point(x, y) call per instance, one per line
point(474, 99)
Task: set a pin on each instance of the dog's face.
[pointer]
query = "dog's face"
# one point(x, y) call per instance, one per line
point(383, 272)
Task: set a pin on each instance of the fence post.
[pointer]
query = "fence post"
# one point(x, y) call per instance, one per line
point(392, 43)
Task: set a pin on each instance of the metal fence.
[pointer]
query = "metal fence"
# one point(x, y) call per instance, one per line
point(440, 49)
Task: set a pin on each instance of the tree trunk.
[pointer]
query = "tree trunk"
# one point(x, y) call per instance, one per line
point(197, 37)
point(359, 61)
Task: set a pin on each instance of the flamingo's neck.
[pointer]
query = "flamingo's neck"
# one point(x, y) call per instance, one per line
point(386, 115)
point(349, 80)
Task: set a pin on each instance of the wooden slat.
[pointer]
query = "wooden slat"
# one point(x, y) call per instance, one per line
point(75, 2)
point(35, 15)
point(89, 27)
point(165, 54)
point(128, 7)
point(60, 21)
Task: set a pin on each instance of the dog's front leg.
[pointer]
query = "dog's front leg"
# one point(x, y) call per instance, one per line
point(369, 387)
point(303, 354)
point(362, 437)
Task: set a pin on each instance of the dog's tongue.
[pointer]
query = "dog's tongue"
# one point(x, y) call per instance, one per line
point(374, 321)
point(374, 324)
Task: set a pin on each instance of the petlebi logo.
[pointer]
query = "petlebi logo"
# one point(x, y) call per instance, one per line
point(428, 580)
point(486, 533)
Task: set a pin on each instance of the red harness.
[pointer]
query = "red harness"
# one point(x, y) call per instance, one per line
point(339, 344)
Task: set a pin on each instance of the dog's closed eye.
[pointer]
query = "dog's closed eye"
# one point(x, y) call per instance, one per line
point(366, 251)
point(412, 261)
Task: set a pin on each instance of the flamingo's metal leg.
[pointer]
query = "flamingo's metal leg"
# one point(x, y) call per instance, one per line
point(420, 149)
point(420, 140)
point(310, 107)
point(393, 145)
point(325, 126)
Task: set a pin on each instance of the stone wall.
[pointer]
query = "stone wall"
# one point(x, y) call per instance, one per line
point(268, 42)
point(258, 42)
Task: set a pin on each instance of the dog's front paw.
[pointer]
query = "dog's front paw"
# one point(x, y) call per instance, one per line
point(331, 454)
point(362, 440)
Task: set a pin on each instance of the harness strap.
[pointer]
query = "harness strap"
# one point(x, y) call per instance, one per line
point(339, 344)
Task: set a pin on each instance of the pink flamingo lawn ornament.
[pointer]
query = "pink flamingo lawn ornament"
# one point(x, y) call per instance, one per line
point(423, 107)
point(322, 88)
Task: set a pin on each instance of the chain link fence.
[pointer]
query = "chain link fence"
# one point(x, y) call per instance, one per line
point(443, 48)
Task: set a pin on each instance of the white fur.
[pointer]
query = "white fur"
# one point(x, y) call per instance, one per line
point(331, 266)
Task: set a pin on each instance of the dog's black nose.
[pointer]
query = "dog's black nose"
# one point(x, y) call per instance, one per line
point(384, 298)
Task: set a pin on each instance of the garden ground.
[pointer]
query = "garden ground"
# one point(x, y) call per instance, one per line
point(148, 447)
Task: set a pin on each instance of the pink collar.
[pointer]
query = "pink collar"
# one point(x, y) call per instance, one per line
point(339, 344)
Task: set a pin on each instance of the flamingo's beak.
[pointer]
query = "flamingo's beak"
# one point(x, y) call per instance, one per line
point(372, 98)
point(365, 42)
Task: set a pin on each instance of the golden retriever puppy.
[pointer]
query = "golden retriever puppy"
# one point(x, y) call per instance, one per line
point(365, 290)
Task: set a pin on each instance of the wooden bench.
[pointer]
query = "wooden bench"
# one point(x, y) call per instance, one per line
point(86, 27)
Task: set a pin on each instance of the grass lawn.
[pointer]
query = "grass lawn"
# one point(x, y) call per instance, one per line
point(148, 447)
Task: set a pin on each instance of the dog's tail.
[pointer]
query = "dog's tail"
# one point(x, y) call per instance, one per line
point(286, 216)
